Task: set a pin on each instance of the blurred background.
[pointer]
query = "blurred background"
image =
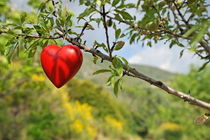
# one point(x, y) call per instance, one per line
point(31, 108)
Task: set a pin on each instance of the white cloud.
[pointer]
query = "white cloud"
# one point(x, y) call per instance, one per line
point(165, 58)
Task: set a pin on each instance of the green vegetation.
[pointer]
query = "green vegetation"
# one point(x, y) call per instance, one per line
point(31, 108)
point(196, 83)
point(89, 68)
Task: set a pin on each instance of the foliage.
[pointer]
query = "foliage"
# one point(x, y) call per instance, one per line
point(178, 23)
point(32, 109)
point(171, 131)
point(160, 116)
point(83, 110)
point(35, 110)
point(195, 83)
point(81, 118)
point(25, 111)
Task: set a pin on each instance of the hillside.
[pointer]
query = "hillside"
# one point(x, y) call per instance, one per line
point(88, 67)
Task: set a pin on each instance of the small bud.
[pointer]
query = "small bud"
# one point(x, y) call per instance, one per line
point(201, 119)
point(109, 22)
point(90, 27)
point(135, 26)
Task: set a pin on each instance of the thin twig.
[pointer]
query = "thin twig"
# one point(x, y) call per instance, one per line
point(106, 30)
point(176, 21)
point(157, 12)
point(191, 16)
point(183, 3)
point(83, 29)
point(180, 14)
point(33, 36)
point(152, 32)
point(203, 43)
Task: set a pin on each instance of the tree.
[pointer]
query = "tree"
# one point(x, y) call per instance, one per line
point(181, 23)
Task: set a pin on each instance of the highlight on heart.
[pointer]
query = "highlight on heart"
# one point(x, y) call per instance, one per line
point(60, 64)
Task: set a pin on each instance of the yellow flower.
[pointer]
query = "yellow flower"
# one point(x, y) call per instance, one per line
point(80, 116)
point(92, 131)
point(87, 115)
point(77, 126)
point(38, 78)
point(114, 124)
point(170, 126)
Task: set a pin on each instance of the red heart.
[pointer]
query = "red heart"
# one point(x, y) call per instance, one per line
point(60, 64)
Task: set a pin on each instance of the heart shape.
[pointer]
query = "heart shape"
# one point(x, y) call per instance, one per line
point(60, 64)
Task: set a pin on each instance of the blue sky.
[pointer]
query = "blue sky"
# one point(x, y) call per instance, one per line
point(159, 55)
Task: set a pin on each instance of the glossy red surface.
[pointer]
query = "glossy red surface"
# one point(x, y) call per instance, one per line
point(60, 64)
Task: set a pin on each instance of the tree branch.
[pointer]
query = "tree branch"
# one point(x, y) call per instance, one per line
point(134, 73)
point(205, 46)
point(128, 70)
point(103, 13)
point(135, 26)
point(176, 21)
point(82, 32)
point(203, 43)
point(33, 36)
point(181, 15)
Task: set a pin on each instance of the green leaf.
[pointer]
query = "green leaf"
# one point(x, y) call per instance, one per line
point(125, 15)
point(118, 65)
point(118, 17)
point(33, 44)
point(58, 23)
point(110, 79)
point(101, 45)
point(125, 61)
point(116, 62)
point(133, 37)
point(120, 71)
point(199, 36)
point(38, 29)
point(117, 33)
point(10, 44)
point(95, 59)
point(81, 2)
point(138, 4)
point(11, 50)
point(181, 53)
point(190, 31)
point(115, 2)
point(32, 51)
point(173, 42)
point(122, 35)
point(119, 45)
point(89, 27)
point(23, 17)
point(45, 43)
point(51, 21)
point(203, 66)
point(69, 21)
point(101, 71)
point(87, 12)
point(99, 3)
point(116, 86)
point(130, 5)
